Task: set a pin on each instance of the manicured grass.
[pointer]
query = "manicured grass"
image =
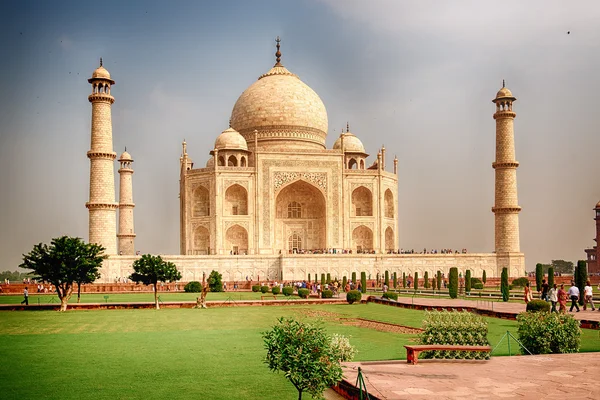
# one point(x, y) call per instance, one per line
point(181, 353)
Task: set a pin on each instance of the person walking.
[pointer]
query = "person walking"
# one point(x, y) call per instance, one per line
point(545, 289)
point(553, 296)
point(562, 299)
point(26, 296)
point(574, 296)
point(588, 296)
point(528, 295)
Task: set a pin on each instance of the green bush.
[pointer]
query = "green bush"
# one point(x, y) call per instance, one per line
point(454, 328)
point(520, 282)
point(256, 288)
point(478, 286)
point(326, 294)
point(538, 306)
point(453, 283)
point(275, 290)
point(303, 293)
point(504, 288)
point(193, 287)
point(468, 281)
point(390, 296)
point(353, 296)
point(215, 281)
point(363, 282)
point(264, 289)
point(288, 290)
point(544, 333)
point(475, 280)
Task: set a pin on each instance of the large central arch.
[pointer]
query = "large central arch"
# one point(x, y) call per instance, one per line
point(300, 218)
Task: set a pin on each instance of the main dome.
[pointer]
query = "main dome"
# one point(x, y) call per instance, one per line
point(286, 112)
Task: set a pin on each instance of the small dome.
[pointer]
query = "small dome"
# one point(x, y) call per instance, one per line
point(352, 144)
point(100, 73)
point(210, 163)
point(504, 92)
point(231, 139)
point(598, 205)
point(125, 157)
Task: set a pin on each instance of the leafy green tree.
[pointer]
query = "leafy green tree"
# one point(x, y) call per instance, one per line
point(504, 284)
point(395, 280)
point(344, 282)
point(354, 278)
point(215, 281)
point(66, 261)
point(563, 267)
point(306, 355)
point(404, 280)
point(328, 281)
point(551, 277)
point(439, 280)
point(426, 280)
point(308, 277)
point(322, 281)
point(386, 280)
point(15, 276)
point(416, 282)
point(453, 283)
point(363, 282)
point(581, 277)
point(150, 270)
point(539, 275)
point(484, 277)
point(468, 281)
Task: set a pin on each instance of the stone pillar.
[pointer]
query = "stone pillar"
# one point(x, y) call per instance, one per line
point(101, 205)
point(126, 234)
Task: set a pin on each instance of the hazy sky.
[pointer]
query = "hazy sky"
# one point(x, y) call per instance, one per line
point(417, 77)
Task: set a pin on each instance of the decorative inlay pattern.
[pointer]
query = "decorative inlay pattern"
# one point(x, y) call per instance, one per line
point(318, 178)
point(355, 185)
point(228, 224)
point(229, 183)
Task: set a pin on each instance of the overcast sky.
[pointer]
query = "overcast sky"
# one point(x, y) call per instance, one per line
point(417, 77)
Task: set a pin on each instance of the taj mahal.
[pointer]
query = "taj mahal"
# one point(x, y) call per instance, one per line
point(271, 201)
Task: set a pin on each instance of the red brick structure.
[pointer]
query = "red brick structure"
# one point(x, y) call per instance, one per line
point(593, 254)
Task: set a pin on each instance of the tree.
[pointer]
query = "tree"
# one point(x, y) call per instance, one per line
point(439, 280)
point(308, 357)
point(215, 281)
point(504, 284)
point(416, 283)
point(468, 281)
point(426, 280)
point(363, 282)
point(344, 282)
point(386, 280)
point(322, 281)
point(151, 269)
point(66, 261)
point(354, 278)
point(404, 280)
point(395, 280)
point(539, 275)
point(453, 283)
point(581, 277)
point(328, 281)
point(551, 277)
point(563, 267)
point(484, 277)
point(309, 278)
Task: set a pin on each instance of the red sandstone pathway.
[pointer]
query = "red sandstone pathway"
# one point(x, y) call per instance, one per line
point(556, 376)
point(490, 305)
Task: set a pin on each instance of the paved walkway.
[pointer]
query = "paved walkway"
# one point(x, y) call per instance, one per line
point(557, 376)
point(487, 305)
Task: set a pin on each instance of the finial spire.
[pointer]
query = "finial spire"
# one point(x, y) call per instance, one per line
point(278, 53)
point(100, 61)
point(125, 148)
point(347, 127)
point(230, 122)
point(503, 83)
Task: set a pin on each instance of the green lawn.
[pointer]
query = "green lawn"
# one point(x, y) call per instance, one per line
point(180, 353)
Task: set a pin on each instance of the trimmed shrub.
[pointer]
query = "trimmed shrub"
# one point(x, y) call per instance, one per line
point(478, 286)
point(363, 282)
point(538, 306)
point(288, 290)
point(303, 293)
point(539, 275)
point(468, 281)
point(395, 280)
point(390, 296)
point(326, 294)
point(354, 278)
point(353, 296)
point(344, 282)
point(328, 280)
point(404, 280)
point(484, 277)
point(504, 288)
point(256, 288)
point(551, 277)
point(386, 280)
point(520, 282)
point(453, 283)
point(264, 289)
point(416, 282)
point(544, 333)
point(475, 280)
point(193, 287)
point(426, 280)
point(454, 328)
point(275, 290)
point(439, 280)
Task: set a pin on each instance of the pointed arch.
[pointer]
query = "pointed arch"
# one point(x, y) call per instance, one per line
point(362, 202)
point(389, 204)
point(390, 242)
point(201, 240)
point(232, 161)
point(221, 162)
point(236, 240)
point(236, 200)
point(362, 239)
point(201, 202)
point(352, 164)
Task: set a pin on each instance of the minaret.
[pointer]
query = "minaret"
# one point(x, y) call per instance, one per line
point(102, 206)
point(506, 208)
point(126, 235)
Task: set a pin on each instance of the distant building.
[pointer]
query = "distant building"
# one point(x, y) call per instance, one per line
point(593, 254)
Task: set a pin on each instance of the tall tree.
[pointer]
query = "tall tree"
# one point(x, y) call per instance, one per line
point(354, 278)
point(67, 260)
point(563, 267)
point(439, 280)
point(453, 283)
point(416, 283)
point(306, 355)
point(468, 281)
point(395, 280)
point(539, 275)
point(363, 282)
point(504, 284)
point(404, 280)
point(484, 277)
point(150, 270)
point(426, 280)
point(386, 280)
point(581, 277)
point(551, 277)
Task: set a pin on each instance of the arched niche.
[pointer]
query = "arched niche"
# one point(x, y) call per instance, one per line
point(362, 239)
point(236, 240)
point(389, 204)
point(201, 202)
point(236, 200)
point(362, 202)
point(201, 240)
